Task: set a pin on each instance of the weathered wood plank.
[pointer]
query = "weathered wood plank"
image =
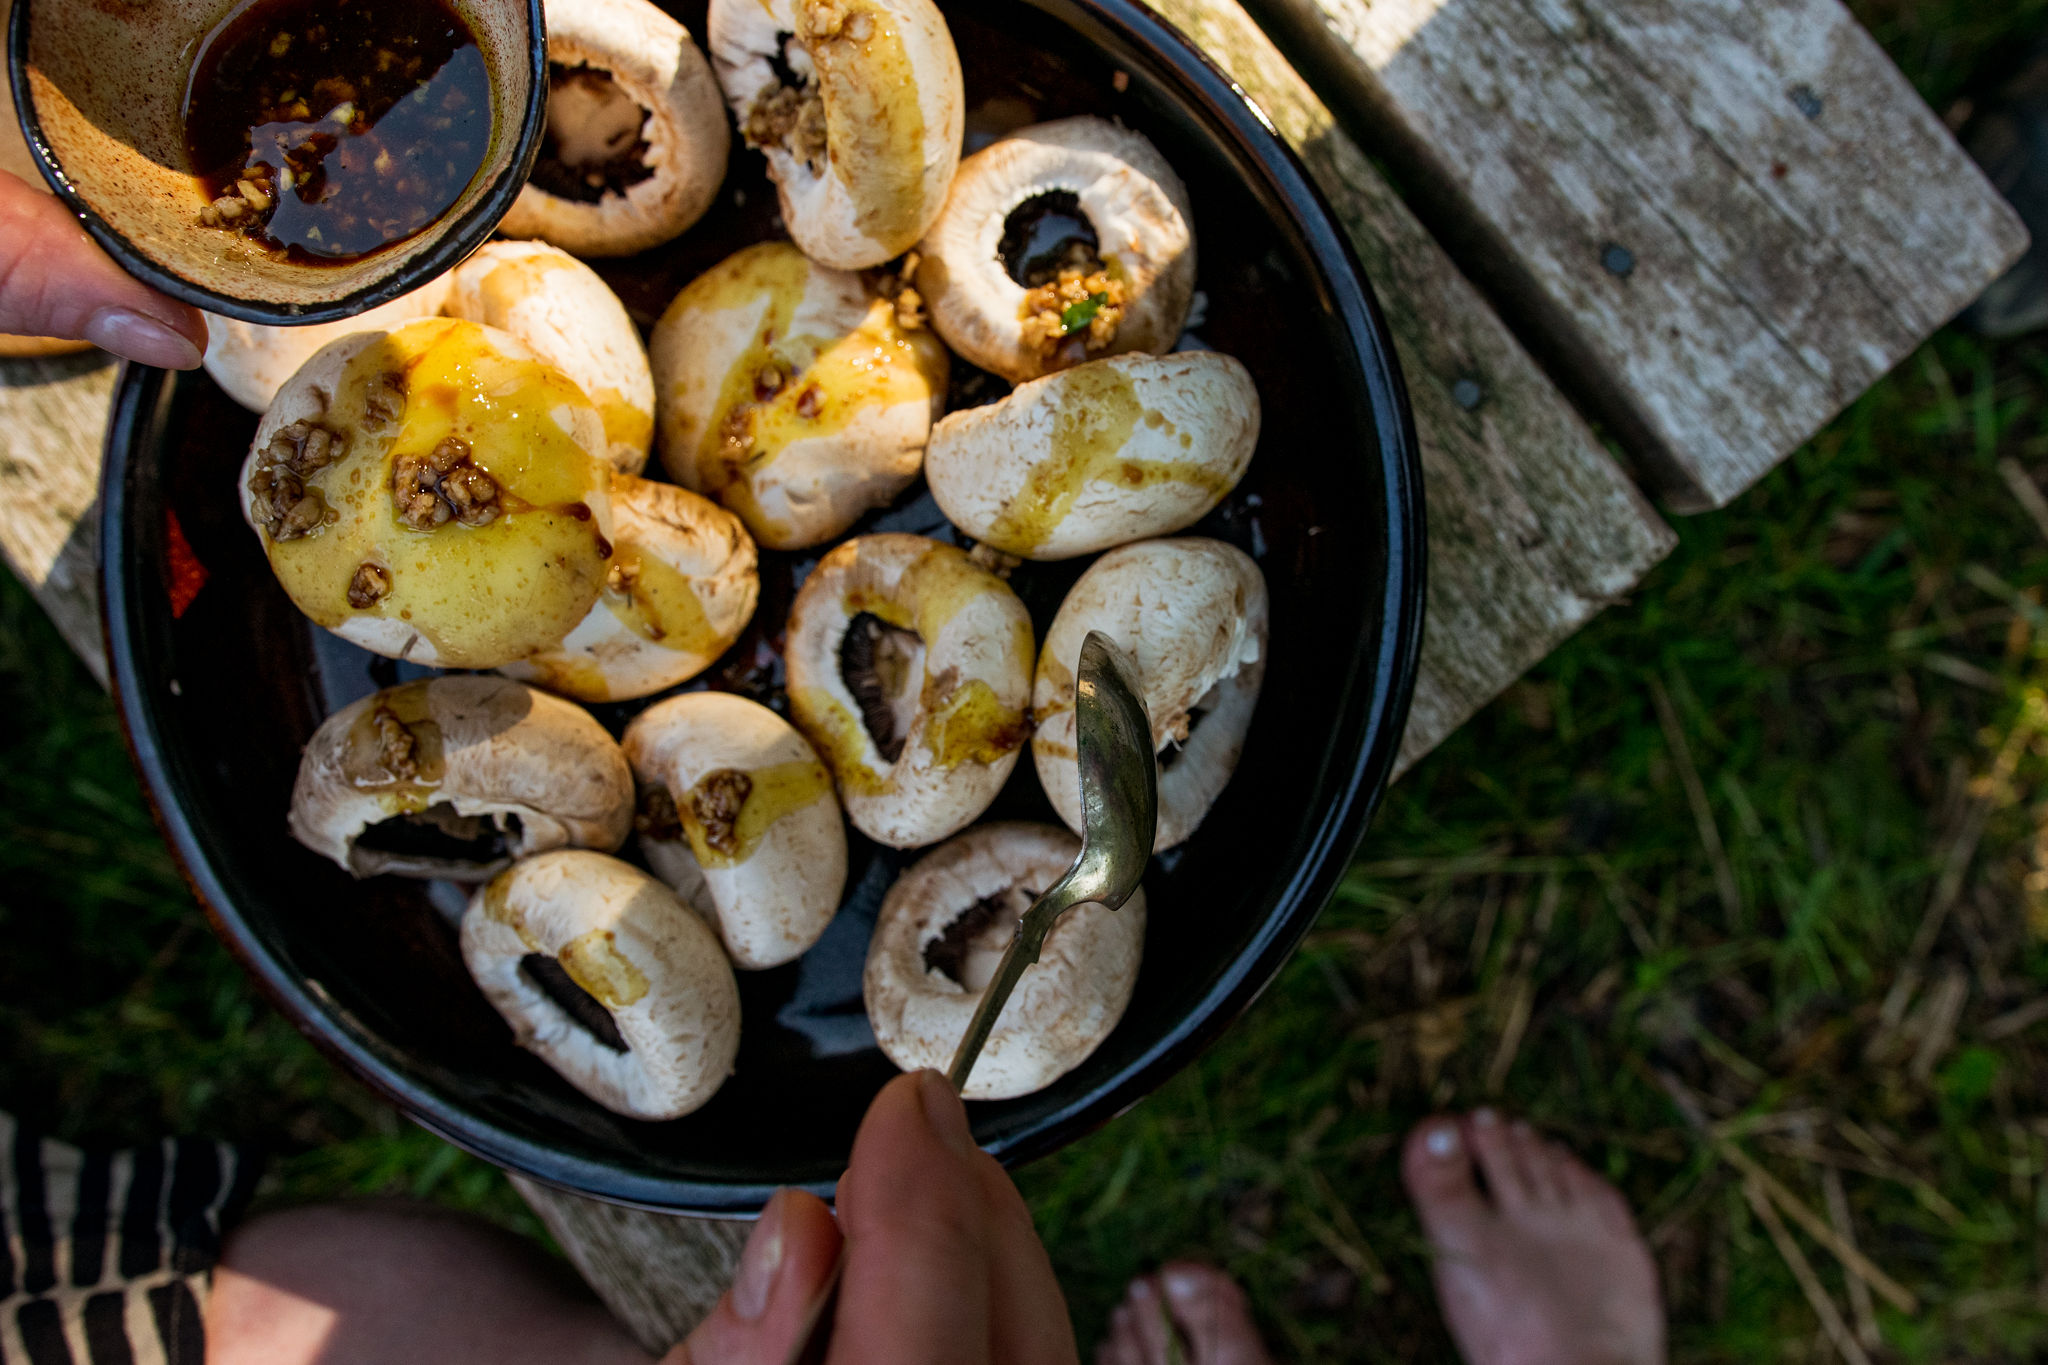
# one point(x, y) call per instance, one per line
point(52, 414)
point(1532, 527)
point(659, 1275)
point(1718, 221)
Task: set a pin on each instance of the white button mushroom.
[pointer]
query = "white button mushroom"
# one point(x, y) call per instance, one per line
point(682, 586)
point(942, 931)
point(792, 394)
point(737, 815)
point(436, 493)
point(455, 777)
point(1192, 614)
point(636, 141)
point(251, 362)
point(910, 669)
point(859, 108)
point(1100, 455)
point(565, 312)
point(609, 979)
point(1062, 242)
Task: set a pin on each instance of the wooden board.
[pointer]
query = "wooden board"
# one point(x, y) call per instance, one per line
point(1718, 221)
point(1533, 529)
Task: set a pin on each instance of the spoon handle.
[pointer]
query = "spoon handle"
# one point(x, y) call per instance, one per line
point(1022, 952)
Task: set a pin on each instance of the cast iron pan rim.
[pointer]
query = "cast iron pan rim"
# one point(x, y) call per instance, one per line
point(1375, 697)
point(463, 236)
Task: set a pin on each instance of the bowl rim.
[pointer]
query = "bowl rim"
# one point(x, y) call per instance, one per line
point(1370, 720)
point(461, 237)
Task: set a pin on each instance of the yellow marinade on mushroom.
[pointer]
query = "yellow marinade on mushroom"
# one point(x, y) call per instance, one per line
point(436, 493)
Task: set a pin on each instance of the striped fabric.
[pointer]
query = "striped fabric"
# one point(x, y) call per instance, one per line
point(106, 1257)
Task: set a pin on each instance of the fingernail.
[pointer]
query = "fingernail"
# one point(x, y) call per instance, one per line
point(758, 1263)
point(1485, 1118)
point(1441, 1141)
point(1182, 1285)
point(140, 338)
point(944, 1112)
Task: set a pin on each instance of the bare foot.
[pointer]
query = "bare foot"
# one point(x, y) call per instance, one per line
point(1542, 1267)
point(1187, 1314)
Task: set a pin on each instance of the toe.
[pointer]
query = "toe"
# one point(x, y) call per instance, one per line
point(1501, 1160)
point(1120, 1347)
point(1540, 1162)
point(1437, 1168)
point(1151, 1329)
point(1213, 1315)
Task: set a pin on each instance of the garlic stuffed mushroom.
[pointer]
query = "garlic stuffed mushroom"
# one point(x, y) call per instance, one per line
point(1063, 242)
point(609, 979)
point(1192, 614)
point(859, 108)
point(251, 362)
point(941, 933)
point(456, 777)
point(737, 816)
point(682, 586)
point(1100, 455)
point(437, 493)
point(571, 319)
point(793, 394)
point(636, 141)
point(910, 669)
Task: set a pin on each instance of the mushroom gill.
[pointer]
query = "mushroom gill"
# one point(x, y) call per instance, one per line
point(596, 140)
point(883, 667)
point(972, 946)
point(552, 979)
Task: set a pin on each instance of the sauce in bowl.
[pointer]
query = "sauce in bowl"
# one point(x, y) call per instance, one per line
point(328, 130)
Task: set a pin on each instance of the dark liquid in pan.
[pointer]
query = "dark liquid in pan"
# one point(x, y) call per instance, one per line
point(331, 129)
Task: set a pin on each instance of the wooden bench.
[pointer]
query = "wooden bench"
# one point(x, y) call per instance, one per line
point(1752, 305)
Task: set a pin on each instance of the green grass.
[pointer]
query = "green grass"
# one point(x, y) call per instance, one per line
point(1692, 850)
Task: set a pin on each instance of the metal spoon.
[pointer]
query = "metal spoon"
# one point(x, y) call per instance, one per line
point(1119, 818)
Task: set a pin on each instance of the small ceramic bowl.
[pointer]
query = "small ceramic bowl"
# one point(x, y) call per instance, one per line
point(100, 88)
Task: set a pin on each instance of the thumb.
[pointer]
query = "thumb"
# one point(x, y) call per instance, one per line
point(56, 282)
point(781, 1273)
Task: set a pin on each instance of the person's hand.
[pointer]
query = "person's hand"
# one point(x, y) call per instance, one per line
point(942, 1263)
point(56, 282)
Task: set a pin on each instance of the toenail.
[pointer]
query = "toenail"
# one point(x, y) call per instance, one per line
point(1182, 1285)
point(1441, 1142)
point(1521, 1129)
point(1141, 1290)
point(1485, 1118)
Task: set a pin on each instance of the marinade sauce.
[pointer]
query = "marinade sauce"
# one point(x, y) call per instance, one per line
point(331, 129)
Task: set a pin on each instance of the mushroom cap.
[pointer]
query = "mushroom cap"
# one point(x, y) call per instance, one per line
point(792, 395)
point(458, 596)
point(491, 750)
point(1100, 455)
point(654, 61)
point(764, 859)
point(1062, 1008)
point(682, 586)
point(251, 362)
point(634, 951)
point(964, 727)
point(1192, 615)
point(1144, 227)
point(894, 111)
point(569, 317)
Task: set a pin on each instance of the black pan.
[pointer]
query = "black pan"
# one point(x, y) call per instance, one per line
point(218, 697)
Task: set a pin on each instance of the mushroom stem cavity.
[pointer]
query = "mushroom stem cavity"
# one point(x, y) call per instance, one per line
point(1047, 234)
point(552, 979)
point(595, 143)
point(437, 835)
point(883, 667)
point(972, 946)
